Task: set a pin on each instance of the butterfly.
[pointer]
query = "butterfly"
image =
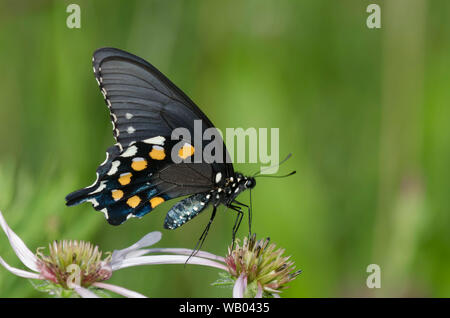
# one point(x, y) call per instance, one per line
point(145, 167)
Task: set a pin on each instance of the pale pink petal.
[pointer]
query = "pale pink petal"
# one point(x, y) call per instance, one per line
point(22, 251)
point(259, 294)
point(180, 251)
point(119, 290)
point(148, 240)
point(84, 293)
point(19, 272)
point(239, 286)
point(275, 295)
point(165, 259)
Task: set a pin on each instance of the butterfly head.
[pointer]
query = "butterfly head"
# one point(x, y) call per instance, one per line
point(250, 182)
point(244, 182)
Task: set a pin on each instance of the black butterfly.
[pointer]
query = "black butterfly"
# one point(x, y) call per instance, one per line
point(139, 173)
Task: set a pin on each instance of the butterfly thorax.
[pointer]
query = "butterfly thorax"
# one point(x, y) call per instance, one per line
point(228, 189)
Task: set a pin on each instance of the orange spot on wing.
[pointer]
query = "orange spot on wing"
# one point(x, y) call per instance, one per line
point(139, 165)
point(133, 201)
point(117, 194)
point(154, 202)
point(125, 178)
point(157, 153)
point(186, 151)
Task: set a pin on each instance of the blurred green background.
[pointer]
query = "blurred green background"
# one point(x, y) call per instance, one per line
point(365, 113)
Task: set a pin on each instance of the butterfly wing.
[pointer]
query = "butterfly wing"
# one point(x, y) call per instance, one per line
point(133, 182)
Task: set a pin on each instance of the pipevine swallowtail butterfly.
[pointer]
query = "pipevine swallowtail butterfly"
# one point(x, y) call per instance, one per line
point(139, 173)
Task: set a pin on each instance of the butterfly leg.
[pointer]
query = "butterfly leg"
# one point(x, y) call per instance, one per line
point(249, 209)
point(202, 238)
point(237, 222)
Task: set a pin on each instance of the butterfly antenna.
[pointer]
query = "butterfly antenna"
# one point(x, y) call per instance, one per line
point(270, 167)
point(283, 176)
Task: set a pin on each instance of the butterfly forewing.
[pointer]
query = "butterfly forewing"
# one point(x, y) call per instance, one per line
point(142, 101)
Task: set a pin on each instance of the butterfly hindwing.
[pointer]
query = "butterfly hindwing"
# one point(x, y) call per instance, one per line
point(142, 176)
point(79, 196)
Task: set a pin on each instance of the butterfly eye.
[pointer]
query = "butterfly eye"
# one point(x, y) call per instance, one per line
point(250, 183)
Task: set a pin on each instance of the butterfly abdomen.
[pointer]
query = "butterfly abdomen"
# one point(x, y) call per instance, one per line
point(185, 210)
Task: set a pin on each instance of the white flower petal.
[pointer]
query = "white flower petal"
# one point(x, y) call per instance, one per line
point(239, 286)
point(19, 272)
point(83, 292)
point(165, 259)
point(148, 240)
point(119, 290)
point(275, 295)
point(22, 251)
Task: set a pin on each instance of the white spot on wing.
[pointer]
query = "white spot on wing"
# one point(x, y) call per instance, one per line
point(128, 116)
point(114, 166)
point(159, 140)
point(93, 201)
point(131, 130)
point(105, 212)
point(131, 151)
point(99, 188)
point(218, 177)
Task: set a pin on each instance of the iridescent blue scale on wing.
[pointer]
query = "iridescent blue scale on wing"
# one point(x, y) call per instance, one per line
point(119, 212)
point(119, 181)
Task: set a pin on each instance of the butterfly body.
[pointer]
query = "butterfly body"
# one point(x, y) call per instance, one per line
point(146, 167)
point(224, 194)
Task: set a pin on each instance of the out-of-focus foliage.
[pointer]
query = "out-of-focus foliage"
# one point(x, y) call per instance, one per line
point(365, 113)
